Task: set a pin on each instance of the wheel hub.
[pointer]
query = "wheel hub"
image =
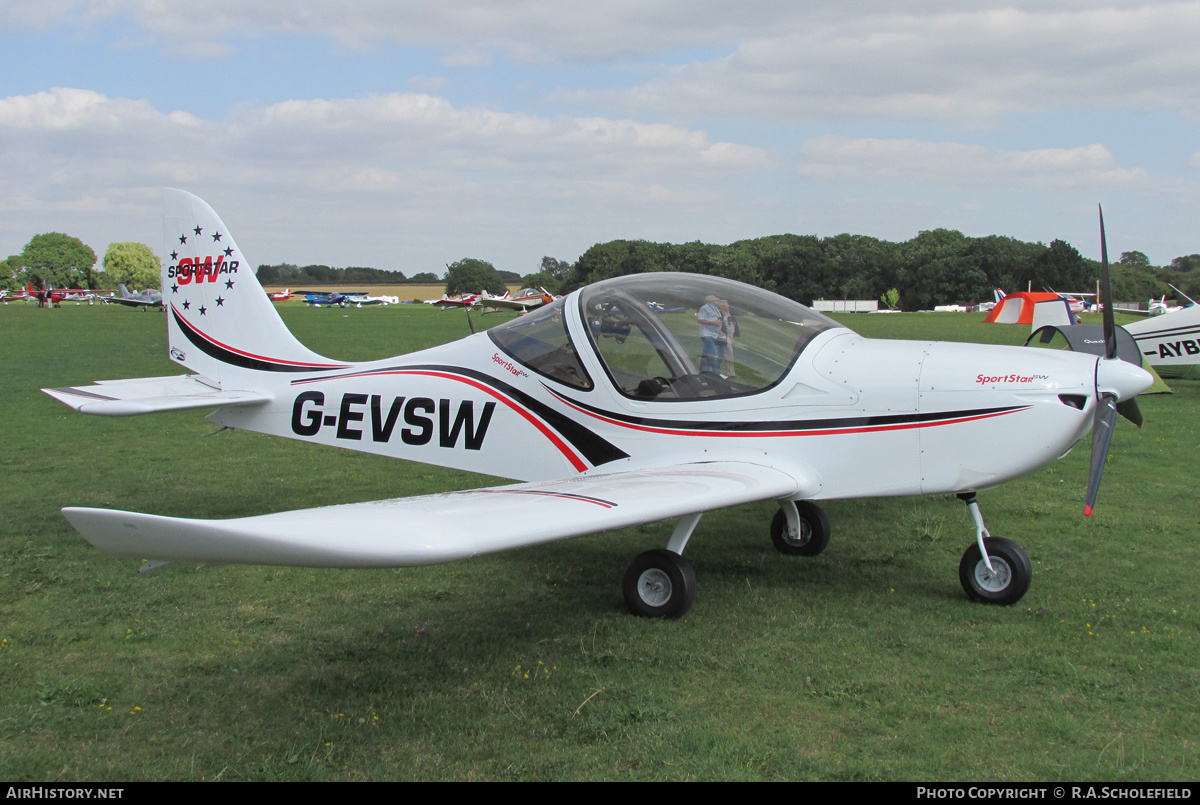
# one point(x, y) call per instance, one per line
point(654, 587)
point(993, 582)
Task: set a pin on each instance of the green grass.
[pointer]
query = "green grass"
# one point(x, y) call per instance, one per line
point(865, 663)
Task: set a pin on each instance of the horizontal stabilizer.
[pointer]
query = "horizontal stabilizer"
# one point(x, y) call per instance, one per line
point(437, 528)
point(147, 395)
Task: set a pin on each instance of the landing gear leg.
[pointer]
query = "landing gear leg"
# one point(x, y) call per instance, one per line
point(994, 570)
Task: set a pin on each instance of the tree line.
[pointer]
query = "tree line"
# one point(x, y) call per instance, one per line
point(937, 267)
point(57, 260)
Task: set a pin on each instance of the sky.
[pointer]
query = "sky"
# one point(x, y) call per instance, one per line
point(408, 134)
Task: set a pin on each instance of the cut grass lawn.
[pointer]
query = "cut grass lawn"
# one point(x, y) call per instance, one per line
point(865, 663)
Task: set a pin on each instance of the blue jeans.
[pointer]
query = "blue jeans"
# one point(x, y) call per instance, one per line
point(710, 360)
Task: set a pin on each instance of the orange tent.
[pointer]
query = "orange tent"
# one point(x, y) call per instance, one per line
point(1018, 308)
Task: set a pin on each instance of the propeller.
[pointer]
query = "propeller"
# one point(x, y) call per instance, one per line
point(1117, 382)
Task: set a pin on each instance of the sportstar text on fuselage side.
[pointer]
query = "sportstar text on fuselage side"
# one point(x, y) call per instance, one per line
point(596, 404)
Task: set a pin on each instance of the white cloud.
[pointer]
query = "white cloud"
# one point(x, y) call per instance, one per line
point(948, 163)
point(311, 165)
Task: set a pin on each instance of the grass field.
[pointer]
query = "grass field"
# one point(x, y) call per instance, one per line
point(865, 663)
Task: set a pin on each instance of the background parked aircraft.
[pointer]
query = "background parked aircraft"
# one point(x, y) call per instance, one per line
point(150, 297)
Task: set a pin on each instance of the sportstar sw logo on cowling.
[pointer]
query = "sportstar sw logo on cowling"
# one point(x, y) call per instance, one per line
point(363, 415)
point(984, 379)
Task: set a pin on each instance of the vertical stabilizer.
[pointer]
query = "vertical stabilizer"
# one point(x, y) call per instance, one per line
point(219, 320)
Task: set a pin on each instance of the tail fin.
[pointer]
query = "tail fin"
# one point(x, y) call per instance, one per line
point(220, 322)
point(125, 294)
point(998, 294)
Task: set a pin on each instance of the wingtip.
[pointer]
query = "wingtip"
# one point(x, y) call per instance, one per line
point(1087, 511)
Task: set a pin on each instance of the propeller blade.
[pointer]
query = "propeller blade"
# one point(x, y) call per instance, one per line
point(1129, 409)
point(1102, 431)
point(1110, 327)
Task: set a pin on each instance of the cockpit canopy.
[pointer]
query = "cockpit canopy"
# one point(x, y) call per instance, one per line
point(669, 336)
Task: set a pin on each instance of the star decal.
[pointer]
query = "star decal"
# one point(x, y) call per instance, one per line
point(228, 283)
point(228, 251)
point(203, 309)
point(198, 231)
point(174, 256)
point(217, 236)
point(174, 289)
point(187, 305)
point(220, 302)
point(183, 238)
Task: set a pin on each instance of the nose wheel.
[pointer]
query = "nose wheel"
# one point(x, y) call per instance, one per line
point(994, 570)
point(1007, 579)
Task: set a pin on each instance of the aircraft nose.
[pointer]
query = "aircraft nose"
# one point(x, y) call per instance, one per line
point(1121, 378)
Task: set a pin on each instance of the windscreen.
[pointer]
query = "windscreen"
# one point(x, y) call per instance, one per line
point(670, 336)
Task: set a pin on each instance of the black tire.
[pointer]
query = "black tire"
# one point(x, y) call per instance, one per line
point(814, 531)
point(1014, 571)
point(659, 584)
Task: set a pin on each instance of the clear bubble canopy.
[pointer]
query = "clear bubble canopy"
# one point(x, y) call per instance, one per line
point(669, 336)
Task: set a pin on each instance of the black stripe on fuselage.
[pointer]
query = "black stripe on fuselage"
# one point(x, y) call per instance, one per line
point(840, 423)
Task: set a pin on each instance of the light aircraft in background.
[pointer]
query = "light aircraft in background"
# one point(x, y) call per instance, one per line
point(1170, 342)
point(345, 298)
point(280, 296)
point(522, 301)
point(360, 299)
point(327, 298)
point(7, 296)
point(149, 297)
point(1160, 307)
point(466, 300)
point(595, 405)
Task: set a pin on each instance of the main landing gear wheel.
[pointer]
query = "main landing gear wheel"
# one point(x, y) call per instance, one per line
point(659, 584)
point(1013, 572)
point(814, 531)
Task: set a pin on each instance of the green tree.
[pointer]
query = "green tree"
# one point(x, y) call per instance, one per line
point(133, 264)
point(1189, 263)
point(541, 280)
point(59, 260)
point(1062, 268)
point(555, 268)
point(1135, 259)
point(12, 273)
point(858, 266)
point(936, 268)
point(472, 276)
point(791, 265)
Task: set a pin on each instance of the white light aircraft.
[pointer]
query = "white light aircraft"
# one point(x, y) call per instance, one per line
point(523, 301)
point(596, 405)
point(149, 297)
point(1170, 342)
point(360, 299)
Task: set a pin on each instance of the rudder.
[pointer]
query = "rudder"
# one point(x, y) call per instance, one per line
point(220, 322)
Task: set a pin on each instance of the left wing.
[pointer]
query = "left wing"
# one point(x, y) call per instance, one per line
point(443, 527)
